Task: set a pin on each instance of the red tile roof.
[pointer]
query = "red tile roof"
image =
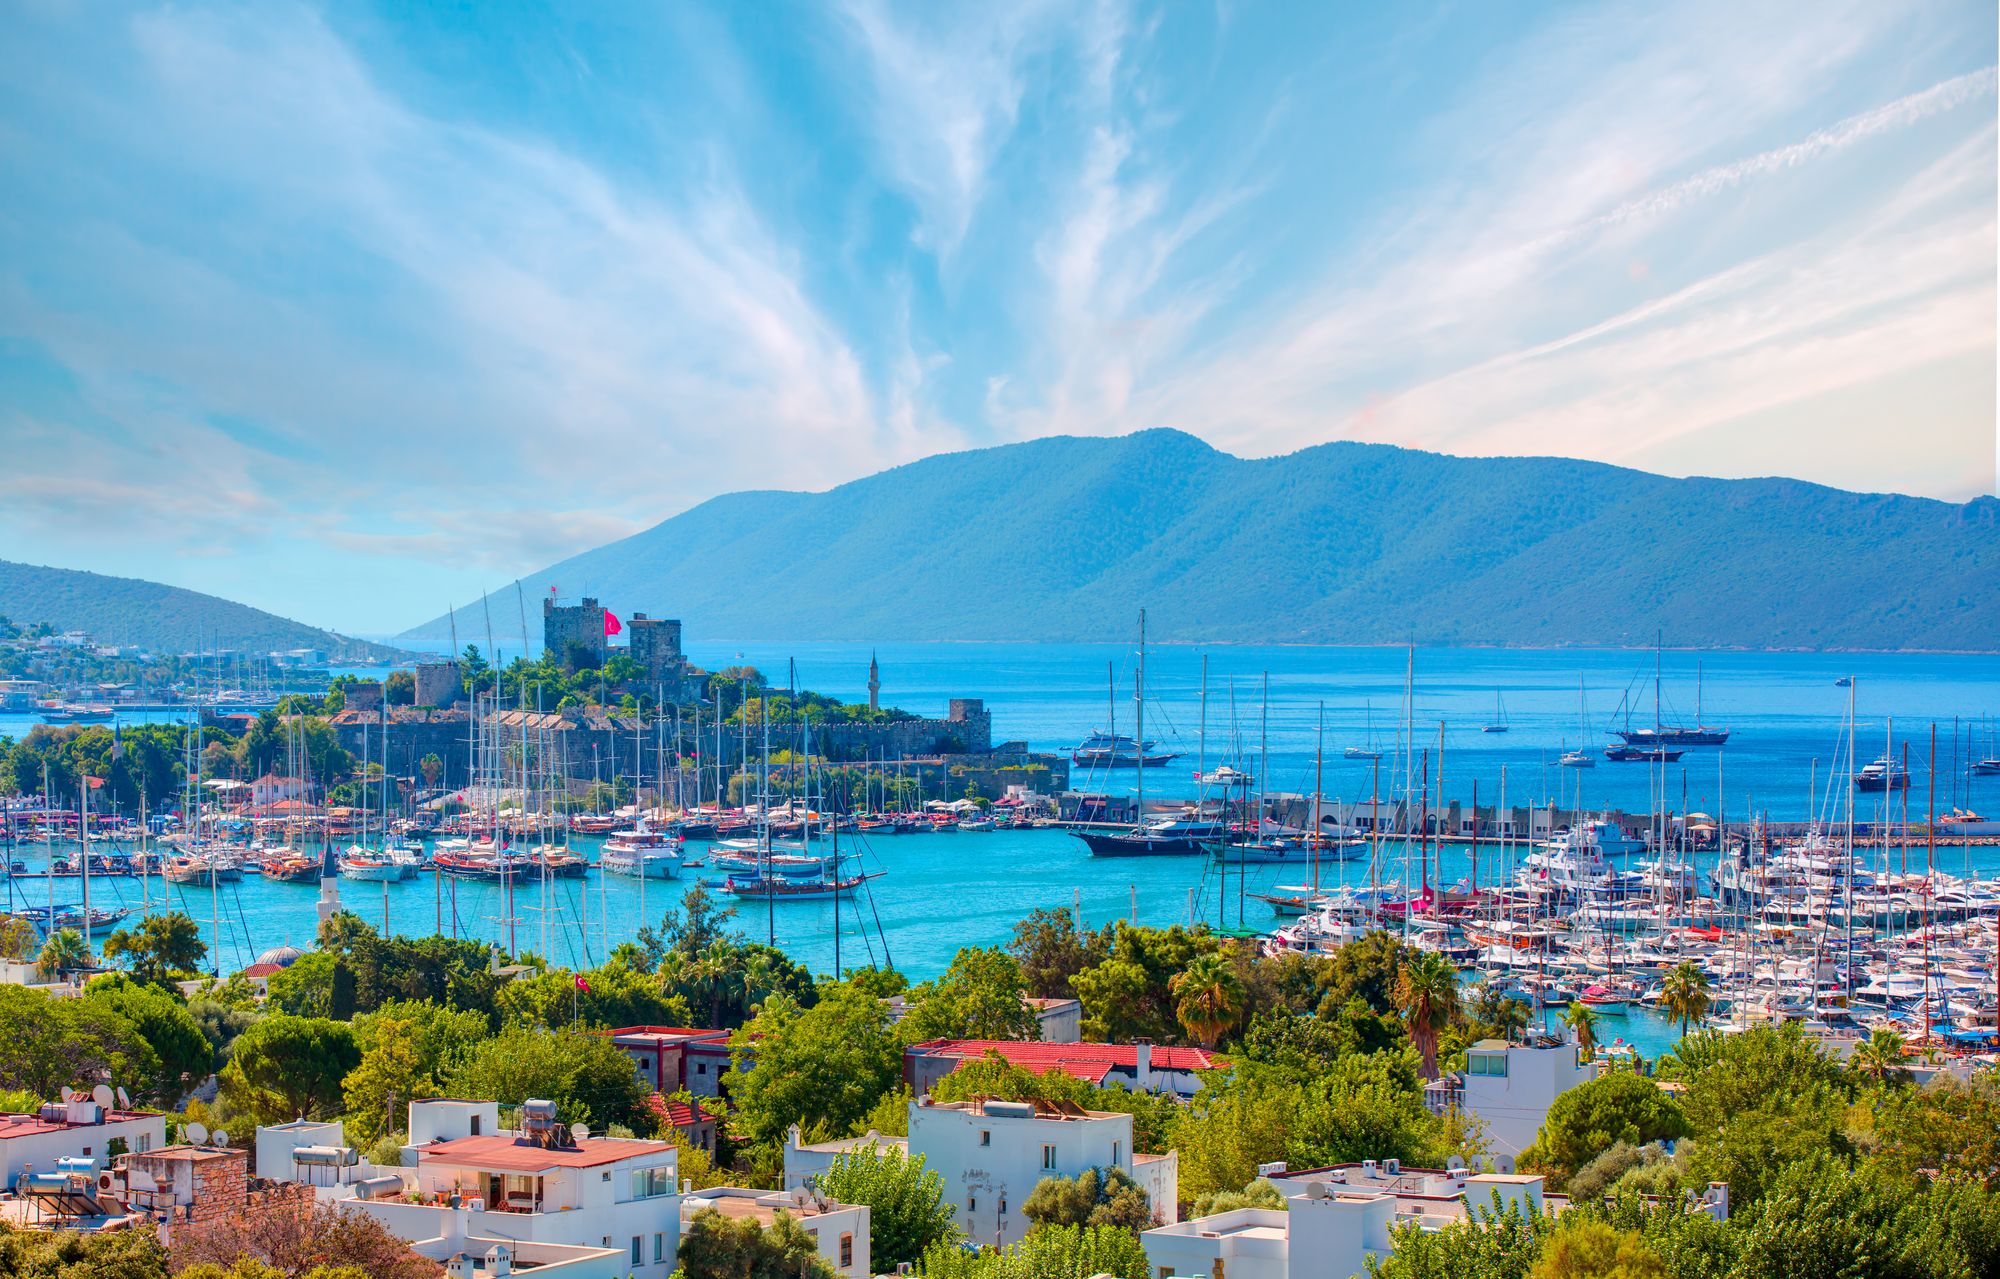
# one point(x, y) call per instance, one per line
point(678, 1113)
point(508, 1154)
point(1076, 1059)
point(262, 970)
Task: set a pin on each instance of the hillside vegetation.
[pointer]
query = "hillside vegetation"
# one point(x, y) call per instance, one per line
point(1063, 539)
point(127, 610)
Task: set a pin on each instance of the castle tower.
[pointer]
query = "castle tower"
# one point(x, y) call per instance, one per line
point(874, 684)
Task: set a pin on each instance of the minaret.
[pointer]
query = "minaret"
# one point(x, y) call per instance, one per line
point(874, 684)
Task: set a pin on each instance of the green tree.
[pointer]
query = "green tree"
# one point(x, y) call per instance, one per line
point(76, 1254)
point(391, 1071)
point(1126, 994)
point(432, 769)
point(17, 938)
point(713, 1246)
point(1881, 1058)
point(1949, 1128)
point(63, 953)
point(1582, 1019)
point(1684, 994)
point(178, 1055)
point(1757, 1100)
point(1208, 998)
point(1094, 1197)
point(1427, 994)
point(1049, 1252)
point(978, 997)
point(160, 950)
point(286, 1067)
point(48, 1043)
point(822, 1067)
point(1586, 1120)
point(907, 1212)
point(400, 689)
point(584, 1074)
point(1595, 1250)
point(1049, 947)
point(299, 1240)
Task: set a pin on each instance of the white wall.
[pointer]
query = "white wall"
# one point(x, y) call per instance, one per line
point(991, 1163)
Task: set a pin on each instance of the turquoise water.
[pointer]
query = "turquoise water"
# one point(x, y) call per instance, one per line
point(941, 892)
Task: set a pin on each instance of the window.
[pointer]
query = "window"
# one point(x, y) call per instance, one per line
point(638, 1250)
point(1048, 1156)
point(972, 1203)
point(985, 1137)
point(145, 1142)
point(701, 1069)
point(659, 1246)
point(650, 1183)
point(1116, 1147)
point(1493, 1064)
point(846, 1250)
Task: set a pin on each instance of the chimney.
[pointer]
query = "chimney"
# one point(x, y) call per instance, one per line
point(1143, 1064)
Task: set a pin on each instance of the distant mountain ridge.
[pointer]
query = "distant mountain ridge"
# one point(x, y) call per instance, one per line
point(1065, 538)
point(151, 615)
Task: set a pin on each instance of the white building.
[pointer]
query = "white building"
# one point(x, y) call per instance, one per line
point(806, 1162)
point(560, 1198)
point(1335, 1218)
point(992, 1154)
point(840, 1230)
point(1509, 1088)
point(80, 1128)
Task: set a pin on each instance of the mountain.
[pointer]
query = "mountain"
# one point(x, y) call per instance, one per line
point(1065, 539)
point(126, 610)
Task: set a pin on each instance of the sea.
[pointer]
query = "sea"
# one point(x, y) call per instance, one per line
point(1286, 714)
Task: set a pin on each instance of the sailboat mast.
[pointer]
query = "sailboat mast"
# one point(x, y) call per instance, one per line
point(1139, 720)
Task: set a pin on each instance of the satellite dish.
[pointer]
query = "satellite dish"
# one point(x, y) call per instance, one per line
point(65, 1092)
point(198, 1134)
point(579, 1132)
point(102, 1095)
point(124, 1102)
point(1315, 1190)
point(221, 1137)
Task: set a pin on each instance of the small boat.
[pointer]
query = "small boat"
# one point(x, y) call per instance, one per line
point(293, 868)
point(1577, 759)
point(1643, 754)
point(1845, 681)
point(369, 865)
point(1499, 722)
point(559, 863)
point(1986, 767)
point(592, 824)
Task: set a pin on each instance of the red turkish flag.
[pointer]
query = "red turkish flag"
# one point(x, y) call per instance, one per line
point(611, 624)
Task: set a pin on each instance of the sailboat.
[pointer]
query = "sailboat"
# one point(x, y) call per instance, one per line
point(1164, 836)
point(1369, 751)
point(1579, 758)
point(1671, 734)
point(1499, 724)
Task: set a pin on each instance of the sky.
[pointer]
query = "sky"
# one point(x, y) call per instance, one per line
point(349, 312)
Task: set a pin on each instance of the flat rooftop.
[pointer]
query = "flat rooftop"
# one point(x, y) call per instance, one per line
point(761, 1206)
point(510, 1154)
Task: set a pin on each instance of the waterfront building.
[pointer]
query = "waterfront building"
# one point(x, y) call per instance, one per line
point(1509, 1089)
point(1142, 1067)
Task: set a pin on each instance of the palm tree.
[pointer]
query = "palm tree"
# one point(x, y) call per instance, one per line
point(1582, 1019)
point(1427, 989)
point(1684, 994)
point(1880, 1057)
point(1210, 997)
point(64, 952)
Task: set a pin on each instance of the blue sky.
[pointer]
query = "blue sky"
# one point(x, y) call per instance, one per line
point(349, 312)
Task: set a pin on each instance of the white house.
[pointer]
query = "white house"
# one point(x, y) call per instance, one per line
point(992, 1154)
point(806, 1162)
point(602, 1207)
point(1334, 1218)
point(80, 1128)
point(1509, 1088)
point(840, 1230)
